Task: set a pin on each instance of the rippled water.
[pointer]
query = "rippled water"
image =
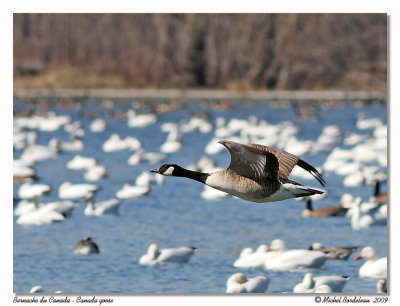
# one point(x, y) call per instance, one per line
point(174, 214)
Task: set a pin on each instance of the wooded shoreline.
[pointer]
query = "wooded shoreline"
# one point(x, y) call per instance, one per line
point(194, 94)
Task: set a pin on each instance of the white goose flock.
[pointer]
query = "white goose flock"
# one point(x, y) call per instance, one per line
point(65, 167)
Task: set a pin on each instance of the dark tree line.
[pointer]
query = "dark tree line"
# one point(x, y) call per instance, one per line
point(273, 51)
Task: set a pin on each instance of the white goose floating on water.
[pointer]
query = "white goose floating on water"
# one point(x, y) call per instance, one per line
point(256, 173)
point(292, 259)
point(79, 162)
point(239, 283)
point(310, 283)
point(67, 190)
point(173, 255)
point(132, 191)
point(95, 173)
point(98, 125)
point(140, 120)
point(28, 190)
point(109, 207)
point(39, 214)
point(374, 267)
point(250, 259)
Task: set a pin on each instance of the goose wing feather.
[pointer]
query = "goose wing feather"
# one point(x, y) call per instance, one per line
point(287, 161)
point(257, 165)
point(251, 162)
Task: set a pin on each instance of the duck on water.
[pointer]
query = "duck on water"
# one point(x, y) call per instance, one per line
point(256, 173)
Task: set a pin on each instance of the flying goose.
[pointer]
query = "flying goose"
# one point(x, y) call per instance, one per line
point(256, 173)
point(326, 211)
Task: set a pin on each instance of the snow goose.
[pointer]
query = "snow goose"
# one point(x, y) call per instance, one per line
point(37, 153)
point(63, 207)
point(321, 212)
point(109, 207)
point(239, 283)
point(86, 246)
point(171, 146)
point(333, 252)
point(250, 259)
point(381, 286)
point(173, 255)
point(354, 179)
point(98, 125)
point(374, 267)
point(256, 173)
point(28, 190)
point(79, 162)
point(359, 219)
point(132, 191)
point(310, 283)
point(114, 143)
point(52, 122)
point(364, 124)
point(95, 173)
point(36, 289)
point(293, 259)
point(67, 190)
point(24, 207)
point(140, 120)
point(150, 157)
point(23, 174)
point(354, 138)
point(41, 214)
point(322, 289)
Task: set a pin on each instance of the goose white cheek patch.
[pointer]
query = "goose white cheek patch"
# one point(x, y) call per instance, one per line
point(169, 171)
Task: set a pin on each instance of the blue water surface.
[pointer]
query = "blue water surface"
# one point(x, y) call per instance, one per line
point(174, 214)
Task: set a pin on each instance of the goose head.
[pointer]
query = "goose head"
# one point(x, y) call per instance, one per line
point(366, 253)
point(316, 246)
point(168, 170)
point(381, 286)
point(245, 252)
point(153, 251)
point(262, 248)
point(89, 196)
point(277, 245)
point(237, 278)
point(308, 280)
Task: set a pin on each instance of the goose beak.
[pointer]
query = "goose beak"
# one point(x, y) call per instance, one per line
point(357, 257)
point(155, 170)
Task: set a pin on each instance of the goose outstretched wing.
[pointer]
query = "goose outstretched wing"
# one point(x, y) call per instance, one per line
point(261, 162)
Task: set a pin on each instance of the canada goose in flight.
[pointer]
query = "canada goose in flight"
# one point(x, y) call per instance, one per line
point(256, 173)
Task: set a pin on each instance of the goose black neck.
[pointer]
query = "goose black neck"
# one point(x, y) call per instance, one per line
point(197, 176)
point(309, 205)
point(377, 188)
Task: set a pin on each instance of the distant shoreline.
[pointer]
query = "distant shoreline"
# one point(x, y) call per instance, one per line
point(202, 94)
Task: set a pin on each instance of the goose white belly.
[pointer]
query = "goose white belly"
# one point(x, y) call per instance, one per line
point(248, 189)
